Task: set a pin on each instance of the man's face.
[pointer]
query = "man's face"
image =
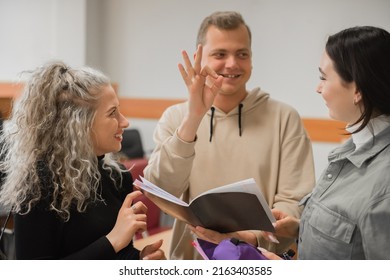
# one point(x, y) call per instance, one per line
point(228, 53)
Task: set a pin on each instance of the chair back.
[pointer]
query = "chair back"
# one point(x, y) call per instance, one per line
point(132, 144)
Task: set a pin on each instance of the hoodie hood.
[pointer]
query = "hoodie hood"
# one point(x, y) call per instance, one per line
point(252, 100)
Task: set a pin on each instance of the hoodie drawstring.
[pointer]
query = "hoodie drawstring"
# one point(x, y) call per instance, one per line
point(211, 122)
point(239, 118)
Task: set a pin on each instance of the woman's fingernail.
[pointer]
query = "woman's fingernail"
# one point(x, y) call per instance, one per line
point(261, 249)
point(273, 238)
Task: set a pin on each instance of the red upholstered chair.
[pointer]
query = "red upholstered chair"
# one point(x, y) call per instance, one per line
point(136, 167)
point(135, 161)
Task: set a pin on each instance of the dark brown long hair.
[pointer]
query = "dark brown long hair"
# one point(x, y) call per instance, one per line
point(362, 55)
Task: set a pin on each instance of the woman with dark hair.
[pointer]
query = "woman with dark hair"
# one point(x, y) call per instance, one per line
point(71, 199)
point(347, 216)
point(361, 55)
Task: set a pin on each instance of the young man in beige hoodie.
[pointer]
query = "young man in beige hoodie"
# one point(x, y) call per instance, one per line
point(225, 133)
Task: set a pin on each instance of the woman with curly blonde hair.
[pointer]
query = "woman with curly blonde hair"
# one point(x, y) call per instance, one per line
point(71, 199)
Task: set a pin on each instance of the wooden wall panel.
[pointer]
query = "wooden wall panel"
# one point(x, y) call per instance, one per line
point(324, 130)
point(5, 107)
point(10, 89)
point(145, 108)
point(319, 130)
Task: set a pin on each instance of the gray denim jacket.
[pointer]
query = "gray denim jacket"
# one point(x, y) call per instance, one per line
point(347, 216)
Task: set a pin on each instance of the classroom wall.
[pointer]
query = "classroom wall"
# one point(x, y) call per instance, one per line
point(32, 32)
point(138, 43)
point(143, 41)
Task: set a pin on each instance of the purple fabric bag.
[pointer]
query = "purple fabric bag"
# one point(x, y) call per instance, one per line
point(228, 249)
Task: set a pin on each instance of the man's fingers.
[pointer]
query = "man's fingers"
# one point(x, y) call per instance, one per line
point(198, 59)
point(207, 71)
point(214, 84)
point(184, 75)
point(188, 66)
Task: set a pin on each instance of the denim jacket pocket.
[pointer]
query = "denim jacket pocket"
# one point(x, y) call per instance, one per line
point(332, 224)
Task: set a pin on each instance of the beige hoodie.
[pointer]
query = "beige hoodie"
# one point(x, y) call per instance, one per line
point(273, 149)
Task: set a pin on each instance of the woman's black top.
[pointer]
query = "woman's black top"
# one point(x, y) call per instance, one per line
point(42, 234)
